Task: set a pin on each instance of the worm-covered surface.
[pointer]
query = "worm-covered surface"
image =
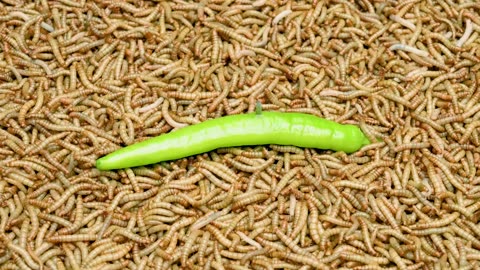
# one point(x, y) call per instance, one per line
point(80, 79)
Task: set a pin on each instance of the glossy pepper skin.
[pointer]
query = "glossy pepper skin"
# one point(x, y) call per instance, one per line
point(281, 128)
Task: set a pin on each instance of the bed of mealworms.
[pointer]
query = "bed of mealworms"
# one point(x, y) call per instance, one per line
point(80, 79)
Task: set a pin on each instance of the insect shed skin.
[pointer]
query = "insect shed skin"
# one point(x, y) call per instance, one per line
point(278, 128)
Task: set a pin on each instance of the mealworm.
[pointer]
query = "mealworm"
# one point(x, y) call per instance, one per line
point(219, 236)
point(30, 166)
point(214, 179)
point(22, 252)
point(56, 50)
point(111, 256)
point(72, 238)
point(249, 200)
point(134, 237)
point(55, 219)
point(290, 243)
point(283, 182)
point(301, 259)
point(44, 143)
point(23, 111)
point(176, 226)
point(188, 245)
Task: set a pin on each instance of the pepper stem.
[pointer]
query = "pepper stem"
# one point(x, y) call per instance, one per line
point(258, 108)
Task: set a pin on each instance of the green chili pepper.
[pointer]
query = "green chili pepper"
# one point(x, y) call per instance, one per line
point(260, 128)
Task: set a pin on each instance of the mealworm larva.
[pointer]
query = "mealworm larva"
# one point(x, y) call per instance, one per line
point(250, 241)
point(41, 234)
point(214, 179)
point(246, 168)
point(70, 258)
point(397, 259)
point(216, 47)
point(464, 234)
point(111, 256)
point(207, 219)
point(441, 164)
point(100, 69)
point(466, 34)
point(168, 118)
point(30, 166)
point(56, 50)
point(19, 250)
point(222, 239)
point(24, 179)
point(313, 221)
point(44, 143)
point(139, 196)
point(32, 212)
point(192, 237)
point(133, 182)
point(303, 259)
point(134, 237)
point(434, 231)
point(354, 201)
point(464, 211)
point(403, 22)
point(185, 221)
point(301, 222)
point(39, 101)
point(106, 50)
point(290, 243)
point(283, 182)
point(98, 248)
point(408, 48)
point(23, 111)
point(116, 200)
point(203, 247)
point(69, 192)
point(71, 238)
point(256, 198)
point(220, 169)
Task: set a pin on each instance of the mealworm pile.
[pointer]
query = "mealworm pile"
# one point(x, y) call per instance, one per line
point(80, 79)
